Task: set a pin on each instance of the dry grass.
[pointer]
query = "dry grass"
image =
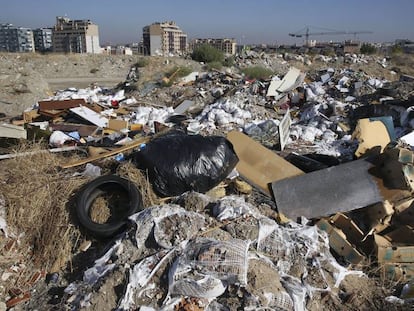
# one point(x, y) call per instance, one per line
point(129, 171)
point(38, 200)
point(40, 203)
point(100, 211)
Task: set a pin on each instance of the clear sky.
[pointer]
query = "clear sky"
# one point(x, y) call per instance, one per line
point(248, 21)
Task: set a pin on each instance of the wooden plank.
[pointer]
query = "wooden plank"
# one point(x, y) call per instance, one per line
point(12, 131)
point(130, 146)
point(60, 104)
point(82, 129)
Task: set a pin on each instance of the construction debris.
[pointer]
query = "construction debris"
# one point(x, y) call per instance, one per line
point(277, 193)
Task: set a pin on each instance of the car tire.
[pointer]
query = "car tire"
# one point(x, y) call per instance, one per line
point(106, 185)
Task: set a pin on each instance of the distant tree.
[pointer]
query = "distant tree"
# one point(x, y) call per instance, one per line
point(207, 54)
point(229, 61)
point(396, 49)
point(367, 48)
point(257, 72)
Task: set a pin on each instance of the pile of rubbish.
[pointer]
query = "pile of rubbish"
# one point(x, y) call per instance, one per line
point(329, 153)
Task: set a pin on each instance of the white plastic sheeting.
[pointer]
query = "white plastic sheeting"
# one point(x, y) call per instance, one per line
point(152, 219)
point(140, 276)
point(231, 207)
point(205, 264)
point(3, 223)
point(203, 267)
point(290, 247)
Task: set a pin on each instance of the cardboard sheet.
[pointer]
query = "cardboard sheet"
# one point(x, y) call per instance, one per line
point(373, 133)
point(392, 252)
point(259, 165)
point(339, 243)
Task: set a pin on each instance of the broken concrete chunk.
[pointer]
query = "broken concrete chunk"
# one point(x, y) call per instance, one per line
point(183, 107)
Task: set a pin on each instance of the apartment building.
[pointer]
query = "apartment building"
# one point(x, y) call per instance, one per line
point(16, 39)
point(227, 46)
point(42, 39)
point(164, 39)
point(75, 36)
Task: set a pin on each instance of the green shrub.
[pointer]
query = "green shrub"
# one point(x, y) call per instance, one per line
point(142, 62)
point(257, 72)
point(207, 54)
point(396, 49)
point(173, 74)
point(214, 65)
point(367, 48)
point(229, 61)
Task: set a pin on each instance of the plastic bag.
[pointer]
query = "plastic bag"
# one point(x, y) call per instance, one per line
point(177, 162)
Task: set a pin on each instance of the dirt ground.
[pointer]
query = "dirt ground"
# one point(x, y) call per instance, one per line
point(29, 183)
point(28, 78)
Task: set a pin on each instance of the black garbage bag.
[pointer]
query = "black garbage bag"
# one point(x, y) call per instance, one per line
point(177, 162)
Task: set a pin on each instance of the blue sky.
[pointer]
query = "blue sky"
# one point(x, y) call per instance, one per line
point(248, 21)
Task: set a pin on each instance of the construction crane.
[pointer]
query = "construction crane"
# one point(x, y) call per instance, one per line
point(306, 34)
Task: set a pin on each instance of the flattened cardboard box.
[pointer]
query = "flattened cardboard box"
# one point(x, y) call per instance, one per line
point(392, 252)
point(339, 243)
point(398, 271)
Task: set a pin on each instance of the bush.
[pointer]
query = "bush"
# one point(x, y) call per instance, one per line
point(207, 54)
point(257, 72)
point(94, 70)
point(396, 49)
point(214, 65)
point(142, 62)
point(229, 61)
point(367, 48)
point(176, 72)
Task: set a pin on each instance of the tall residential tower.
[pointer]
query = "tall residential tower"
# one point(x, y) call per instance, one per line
point(75, 36)
point(164, 39)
